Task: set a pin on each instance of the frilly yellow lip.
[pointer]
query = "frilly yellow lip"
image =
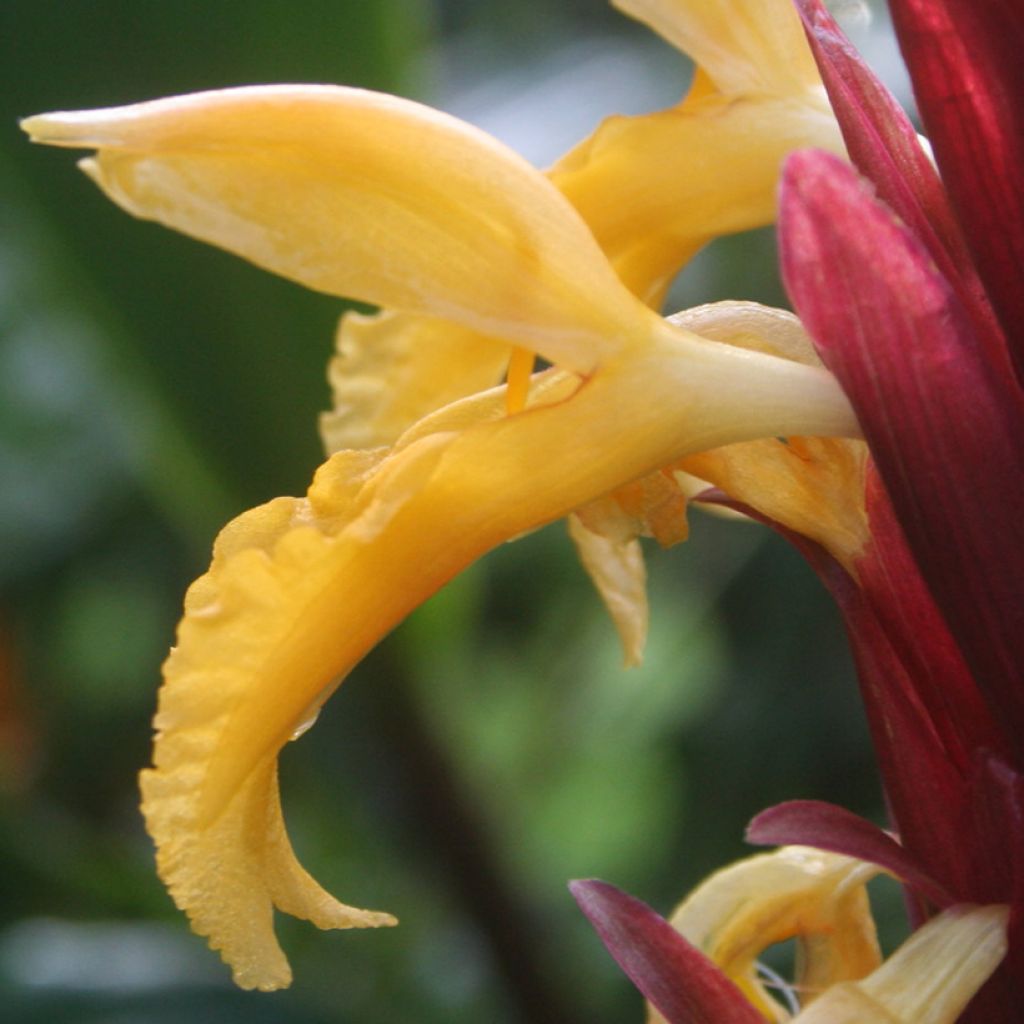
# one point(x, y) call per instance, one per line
point(300, 589)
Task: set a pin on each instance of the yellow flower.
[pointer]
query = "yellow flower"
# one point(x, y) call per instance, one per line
point(478, 258)
point(820, 900)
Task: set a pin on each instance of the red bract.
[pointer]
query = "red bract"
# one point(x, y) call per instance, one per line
point(675, 977)
point(943, 427)
point(814, 823)
point(900, 316)
point(884, 145)
point(964, 58)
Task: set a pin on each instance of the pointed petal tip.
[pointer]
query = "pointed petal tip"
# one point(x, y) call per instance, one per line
point(367, 216)
point(36, 127)
point(72, 128)
point(591, 894)
point(674, 976)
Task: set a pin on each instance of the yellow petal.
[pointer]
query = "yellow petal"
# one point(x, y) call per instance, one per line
point(366, 196)
point(606, 534)
point(679, 178)
point(393, 369)
point(930, 979)
point(231, 898)
point(743, 46)
point(300, 589)
point(616, 567)
point(796, 892)
point(684, 176)
point(813, 486)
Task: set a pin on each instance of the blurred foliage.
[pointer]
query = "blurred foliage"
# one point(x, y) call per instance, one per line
point(150, 388)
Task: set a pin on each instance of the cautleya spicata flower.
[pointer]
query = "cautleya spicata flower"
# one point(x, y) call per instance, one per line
point(480, 262)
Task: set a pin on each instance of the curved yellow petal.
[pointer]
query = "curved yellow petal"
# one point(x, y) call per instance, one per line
point(366, 196)
point(930, 979)
point(751, 325)
point(392, 369)
point(230, 875)
point(796, 892)
point(300, 589)
point(684, 176)
point(615, 565)
point(606, 533)
point(743, 46)
point(680, 178)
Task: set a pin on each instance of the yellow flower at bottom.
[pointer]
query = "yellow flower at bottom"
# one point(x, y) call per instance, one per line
point(820, 900)
point(817, 898)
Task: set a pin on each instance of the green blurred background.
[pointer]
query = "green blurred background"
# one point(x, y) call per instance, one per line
point(492, 748)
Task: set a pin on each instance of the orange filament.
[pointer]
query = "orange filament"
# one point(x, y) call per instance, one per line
point(520, 366)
